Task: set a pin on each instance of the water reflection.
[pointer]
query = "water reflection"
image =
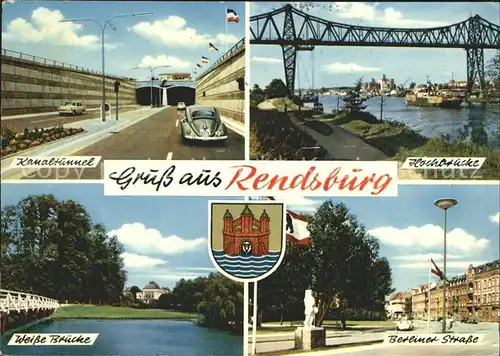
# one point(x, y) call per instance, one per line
point(478, 123)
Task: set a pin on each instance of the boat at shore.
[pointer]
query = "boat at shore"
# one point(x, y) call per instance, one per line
point(433, 99)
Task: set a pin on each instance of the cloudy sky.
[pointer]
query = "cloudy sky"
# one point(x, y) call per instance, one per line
point(410, 228)
point(342, 66)
point(165, 238)
point(176, 35)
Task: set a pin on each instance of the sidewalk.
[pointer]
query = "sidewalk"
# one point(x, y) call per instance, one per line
point(95, 130)
point(236, 126)
point(26, 116)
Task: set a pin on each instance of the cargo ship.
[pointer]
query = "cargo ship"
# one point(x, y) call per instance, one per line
point(434, 99)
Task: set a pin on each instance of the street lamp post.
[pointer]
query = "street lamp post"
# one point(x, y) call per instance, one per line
point(445, 204)
point(151, 72)
point(102, 26)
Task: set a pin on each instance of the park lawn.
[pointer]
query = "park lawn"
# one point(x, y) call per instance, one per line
point(81, 311)
point(326, 348)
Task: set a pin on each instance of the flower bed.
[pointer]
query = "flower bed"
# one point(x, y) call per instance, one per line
point(14, 142)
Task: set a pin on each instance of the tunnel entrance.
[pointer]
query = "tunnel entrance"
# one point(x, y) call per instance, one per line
point(185, 94)
point(143, 96)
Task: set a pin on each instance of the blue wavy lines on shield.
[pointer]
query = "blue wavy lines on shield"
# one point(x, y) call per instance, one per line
point(246, 266)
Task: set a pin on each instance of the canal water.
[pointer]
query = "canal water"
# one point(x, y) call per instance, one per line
point(134, 338)
point(478, 123)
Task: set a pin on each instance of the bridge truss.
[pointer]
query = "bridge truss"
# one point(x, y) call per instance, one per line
point(295, 31)
point(11, 301)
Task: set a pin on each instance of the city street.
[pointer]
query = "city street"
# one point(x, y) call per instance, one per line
point(489, 345)
point(156, 138)
point(51, 119)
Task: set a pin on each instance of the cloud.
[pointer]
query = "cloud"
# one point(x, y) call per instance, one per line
point(338, 67)
point(164, 60)
point(425, 257)
point(300, 204)
point(374, 14)
point(267, 60)
point(45, 27)
point(138, 238)
point(495, 218)
point(5, 2)
point(132, 260)
point(173, 31)
point(429, 236)
point(461, 265)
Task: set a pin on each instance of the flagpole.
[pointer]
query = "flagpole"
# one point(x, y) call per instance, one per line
point(245, 316)
point(254, 330)
point(225, 39)
point(429, 297)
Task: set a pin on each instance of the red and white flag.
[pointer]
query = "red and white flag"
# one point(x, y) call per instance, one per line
point(436, 271)
point(296, 228)
point(232, 16)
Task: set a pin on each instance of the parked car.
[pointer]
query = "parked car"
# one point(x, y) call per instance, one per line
point(404, 325)
point(202, 123)
point(181, 105)
point(72, 107)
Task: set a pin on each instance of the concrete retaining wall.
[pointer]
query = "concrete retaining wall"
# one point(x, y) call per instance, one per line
point(221, 86)
point(31, 87)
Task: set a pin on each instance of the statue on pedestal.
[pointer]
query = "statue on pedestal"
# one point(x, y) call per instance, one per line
point(310, 309)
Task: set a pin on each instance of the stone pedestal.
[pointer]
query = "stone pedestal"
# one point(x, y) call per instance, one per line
point(309, 338)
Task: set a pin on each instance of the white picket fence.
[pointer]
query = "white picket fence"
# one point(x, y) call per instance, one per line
point(12, 301)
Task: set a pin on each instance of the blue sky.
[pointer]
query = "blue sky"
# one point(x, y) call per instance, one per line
point(342, 66)
point(177, 34)
point(165, 238)
point(410, 228)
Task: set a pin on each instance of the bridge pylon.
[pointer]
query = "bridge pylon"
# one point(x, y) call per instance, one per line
point(475, 55)
point(289, 53)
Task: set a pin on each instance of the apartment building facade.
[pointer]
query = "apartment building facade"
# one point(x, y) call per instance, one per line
point(475, 294)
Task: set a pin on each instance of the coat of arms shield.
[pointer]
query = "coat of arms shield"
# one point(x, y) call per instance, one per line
point(246, 239)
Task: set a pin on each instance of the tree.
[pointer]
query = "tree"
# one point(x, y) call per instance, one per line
point(257, 95)
point(165, 301)
point(282, 293)
point(52, 248)
point(134, 290)
point(408, 307)
point(353, 100)
point(276, 89)
point(413, 85)
point(493, 70)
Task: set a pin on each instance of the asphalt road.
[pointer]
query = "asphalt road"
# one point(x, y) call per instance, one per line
point(54, 120)
point(156, 138)
point(488, 347)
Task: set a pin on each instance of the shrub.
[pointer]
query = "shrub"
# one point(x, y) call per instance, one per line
point(13, 142)
point(321, 127)
point(7, 133)
point(27, 142)
point(35, 143)
point(47, 138)
point(22, 146)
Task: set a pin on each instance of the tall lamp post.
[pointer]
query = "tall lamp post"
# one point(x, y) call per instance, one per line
point(151, 72)
point(445, 204)
point(103, 26)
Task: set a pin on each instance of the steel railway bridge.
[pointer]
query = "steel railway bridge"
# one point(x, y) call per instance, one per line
point(295, 31)
point(20, 308)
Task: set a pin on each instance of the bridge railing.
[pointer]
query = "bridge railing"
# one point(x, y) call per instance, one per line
point(229, 53)
point(53, 63)
point(18, 301)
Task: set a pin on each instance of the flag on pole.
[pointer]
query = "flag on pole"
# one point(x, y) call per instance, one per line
point(204, 60)
point(436, 271)
point(232, 16)
point(296, 228)
point(211, 47)
point(199, 65)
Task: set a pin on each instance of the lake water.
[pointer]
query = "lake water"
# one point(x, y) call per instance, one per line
point(134, 338)
point(479, 123)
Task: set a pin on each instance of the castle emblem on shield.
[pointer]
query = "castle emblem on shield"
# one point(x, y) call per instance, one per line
point(247, 240)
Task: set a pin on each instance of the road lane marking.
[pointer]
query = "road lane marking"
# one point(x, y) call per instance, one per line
point(169, 156)
point(177, 123)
